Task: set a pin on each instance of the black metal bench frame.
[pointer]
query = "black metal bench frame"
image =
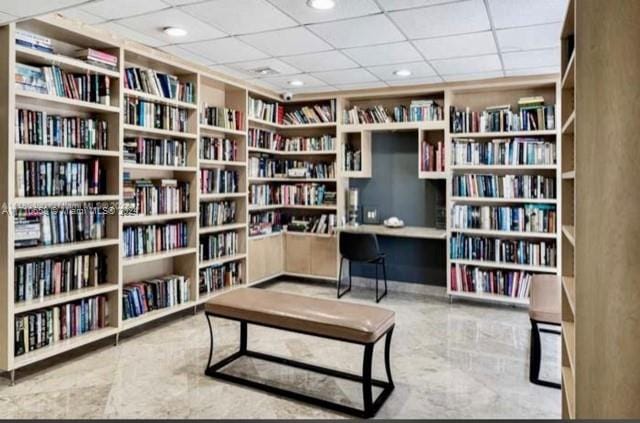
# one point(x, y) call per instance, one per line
point(371, 406)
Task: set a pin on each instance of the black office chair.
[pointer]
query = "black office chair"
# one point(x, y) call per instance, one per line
point(362, 248)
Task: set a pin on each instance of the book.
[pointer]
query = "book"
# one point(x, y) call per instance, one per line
point(148, 295)
point(503, 151)
point(152, 151)
point(525, 252)
point(219, 181)
point(222, 117)
point(148, 114)
point(301, 194)
point(266, 167)
point(159, 84)
point(218, 245)
point(217, 213)
point(504, 186)
point(510, 283)
point(153, 238)
point(155, 197)
point(534, 218)
point(269, 140)
point(53, 178)
point(214, 278)
point(222, 149)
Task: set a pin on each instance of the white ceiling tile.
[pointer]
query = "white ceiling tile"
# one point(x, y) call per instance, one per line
point(473, 76)
point(418, 70)
point(81, 16)
point(283, 81)
point(310, 90)
point(226, 70)
point(467, 65)
point(529, 38)
point(408, 4)
point(287, 42)
point(264, 84)
point(130, 34)
point(181, 2)
point(416, 81)
point(23, 8)
point(152, 24)
point(225, 50)
point(362, 85)
point(531, 59)
point(277, 65)
point(318, 62)
point(444, 19)
point(384, 54)
point(301, 12)
point(358, 32)
point(346, 76)
point(510, 13)
point(186, 55)
point(4, 18)
point(475, 44)
point(117, 9)
point(240, 16)
point(544, 70)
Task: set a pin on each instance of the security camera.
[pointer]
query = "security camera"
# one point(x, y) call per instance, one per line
point(287, 96)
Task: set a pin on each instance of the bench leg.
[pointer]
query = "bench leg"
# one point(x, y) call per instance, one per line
point(208, 316)
point(367, 394)
point(387, 357)
point(243, 337)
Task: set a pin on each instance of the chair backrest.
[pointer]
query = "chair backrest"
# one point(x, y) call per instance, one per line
point(545, 298)
point(359, 247)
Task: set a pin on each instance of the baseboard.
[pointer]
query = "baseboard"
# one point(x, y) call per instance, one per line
point(404, 287)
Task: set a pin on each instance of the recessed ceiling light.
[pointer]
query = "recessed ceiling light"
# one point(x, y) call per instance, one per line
point(321, 4)
point(174, 31)
point(296, 83)
point(402, 73)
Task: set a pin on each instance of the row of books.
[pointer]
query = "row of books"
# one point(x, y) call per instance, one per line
point(517, 151)
point(432, 157)
point(222, 244)
point(418, 111)
point(52, 80)
point(266, 167)
point(502, 119)
point(83, 222)
point(215, 278)
point(45, 327)
point(375, 114)
point(538, 218)
point(153, 238)
point(265, 110)
point(142, 297)
point(266, 222)
point(222, 149)
point(154, 197)
point(308, 194)
point(150, 151)
point(222, 117)
point(317, 113)
point(423, 111)
point(98, 58)
point(33, 41)
point(40, 128)
point(217, 213)
point(260, 138)
point(510, 283)
point(147, 114)
point(352, 158)
point(504, 186)
point(42, 277)
point(322, 224)
point(47, 179)
point(534, 253)
point(160, 84)
point(219, 181)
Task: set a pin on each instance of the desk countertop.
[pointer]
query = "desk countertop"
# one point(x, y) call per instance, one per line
point(404, 232)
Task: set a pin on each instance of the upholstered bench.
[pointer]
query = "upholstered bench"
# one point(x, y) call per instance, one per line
point(332, 319)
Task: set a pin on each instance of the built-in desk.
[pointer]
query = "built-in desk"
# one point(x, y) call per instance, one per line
point(421, 232)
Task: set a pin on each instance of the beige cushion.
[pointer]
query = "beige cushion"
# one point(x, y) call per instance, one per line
point(546, 303)
point(333, 318)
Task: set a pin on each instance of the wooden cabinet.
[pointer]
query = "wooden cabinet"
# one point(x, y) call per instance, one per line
point(266, 257)
point(324, 257)
point(311, 255)
point(298, 254)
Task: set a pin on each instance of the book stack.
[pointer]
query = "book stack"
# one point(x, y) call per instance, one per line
point(56, 275)
point(153, 238)
point(98, 58)
point(322, 224)
point(513, 284)
point(268, 111)
point(217, 213)
point(214, 278)
point(266, 167)
point(424, 110)
point(154, 197)
point(160, 84)
point(222, 117)
point(30, 78)
point(301, 194)
point(142, 297)
point(147, 114)
point(264, 223)
point(532, 115)
point(218, 149)
point(150, 151)
point(47, 179)
point(317, 113)
point(352, 158)
point(376, 114)
point(219, 181)
point(61, 225)
point(534, 218)
point(432, 159)
point(506, 186)
point(507, 151)
point(219, 245)
point(48, 326)
point(533, 253)
point(260, 138)
point(33, 41)
point(39, 128)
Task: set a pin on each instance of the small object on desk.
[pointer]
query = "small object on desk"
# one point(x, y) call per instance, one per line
point(393, 222)
point(370, 216)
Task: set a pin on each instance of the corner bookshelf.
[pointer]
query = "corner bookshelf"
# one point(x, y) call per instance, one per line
point(475, 162)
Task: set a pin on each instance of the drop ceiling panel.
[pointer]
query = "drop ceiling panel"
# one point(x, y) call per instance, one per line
point(301, 12)
point(511, 13)
point(225, 50)
point(531, 59)
point(384, 54)
point(529, 38)
point(117, 9)
point(283, 81)
point(6, 18)
point(279, 66)
point(130, 34)
point(457, 45)
point(415, 81)
point(358, 32)
point(464, 65)
point(544, 70)
point(361, 85)
point(186, 54)
point(323, 61)
point(240, 16)
point(181, 2)
point(473, 76)
point(347, 76)
point(443, 19)
point(287, 42)
point(81, 16)
point(408, 4)
point(386, 73)
point(22, 8)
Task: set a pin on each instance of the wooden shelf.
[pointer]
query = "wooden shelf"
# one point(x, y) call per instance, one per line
point(158, 132)
point(221, 228)
point(394, 126)
point(48, 151)
point(282, 206)
point(489, 297)
point(216, 196)
point(432, 175)
point(65, 103)
point(222, 260)
point(129, 220)
point(310, 234)
point(152, 167)
point(36, 57)
point(57, 249)
point(503, 200)
point(498, 168)
point(510, 266)
point(65, 297)
point(568, 79)
point(65, 199)
point(569, 340)
point(421, 232)
point(216, 163)
point(569, 175)
point(569, 390)
point(292, 153)
point(569, 233)
point(146, 258)
point(298, 126)
point(567, 128)
point(269, 235)
point(506, 234)
point(569, 286)
point(159, 99)
point(300, 180)
point(355, 174)
point(542, 133)
point(220, 130)
point(150, 316)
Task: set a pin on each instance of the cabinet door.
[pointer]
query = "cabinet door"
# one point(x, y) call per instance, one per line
point(274, 255)
point(298, 254)
point(324, 252)
point(257, 259)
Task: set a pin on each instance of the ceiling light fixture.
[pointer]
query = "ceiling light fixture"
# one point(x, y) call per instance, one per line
point(403, 73)
point(321, 4)
point(296, 83)
point(174, 31)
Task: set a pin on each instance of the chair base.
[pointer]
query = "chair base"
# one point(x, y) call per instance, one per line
point(536, 355)
point(381, 261)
